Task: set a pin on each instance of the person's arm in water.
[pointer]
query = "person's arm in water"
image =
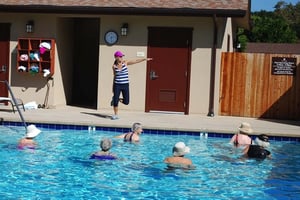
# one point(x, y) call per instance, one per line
point(120, 136)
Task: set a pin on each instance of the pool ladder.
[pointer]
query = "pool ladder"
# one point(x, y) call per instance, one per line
point(15, 102)
point(92, 128)
point(203, 135)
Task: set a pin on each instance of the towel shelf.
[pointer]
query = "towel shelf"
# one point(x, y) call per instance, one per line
point(36, 56)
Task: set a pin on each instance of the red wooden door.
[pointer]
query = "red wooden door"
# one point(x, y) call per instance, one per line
point(4, 57)
point(168, 73)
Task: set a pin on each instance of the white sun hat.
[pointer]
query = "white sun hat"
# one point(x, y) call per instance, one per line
point(46, 45)
point(180, 149)
point(246, 128)
point(32, 131)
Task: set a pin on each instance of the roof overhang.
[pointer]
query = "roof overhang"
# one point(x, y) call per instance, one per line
point(240, 17)
point(122, 10)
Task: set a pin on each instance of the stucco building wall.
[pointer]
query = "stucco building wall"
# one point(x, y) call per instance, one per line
point(59, 27)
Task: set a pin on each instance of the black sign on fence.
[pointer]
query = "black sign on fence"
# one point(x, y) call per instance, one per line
point(284, 66)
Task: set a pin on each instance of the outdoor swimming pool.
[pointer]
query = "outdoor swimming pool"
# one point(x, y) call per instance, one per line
point(61, 169)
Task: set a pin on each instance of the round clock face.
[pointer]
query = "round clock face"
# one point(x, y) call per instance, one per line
point(111, 37)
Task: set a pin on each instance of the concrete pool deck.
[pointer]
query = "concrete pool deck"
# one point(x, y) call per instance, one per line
point(152, 120)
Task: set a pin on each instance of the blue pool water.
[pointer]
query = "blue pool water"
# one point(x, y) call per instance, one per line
point(61, 169)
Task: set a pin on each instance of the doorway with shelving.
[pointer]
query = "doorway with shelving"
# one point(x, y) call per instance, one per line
point(85, 62)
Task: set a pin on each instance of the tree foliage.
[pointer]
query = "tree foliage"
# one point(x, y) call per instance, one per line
point(280, 26)
point(270, 27)
point(291, 13)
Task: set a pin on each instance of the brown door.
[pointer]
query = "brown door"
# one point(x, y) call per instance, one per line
point(4, 57)
point(168, 74)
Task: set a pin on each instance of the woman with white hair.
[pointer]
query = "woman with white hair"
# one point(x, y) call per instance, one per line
point(104, 154)
point(134, 135)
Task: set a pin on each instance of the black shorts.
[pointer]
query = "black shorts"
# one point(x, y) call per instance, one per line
point(256, 151)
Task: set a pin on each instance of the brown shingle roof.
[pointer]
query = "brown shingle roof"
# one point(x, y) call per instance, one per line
point(275, 48)
point(221, 8)
point(194, 4)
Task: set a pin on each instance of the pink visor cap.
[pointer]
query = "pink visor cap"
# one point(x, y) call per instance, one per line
point(118, 54)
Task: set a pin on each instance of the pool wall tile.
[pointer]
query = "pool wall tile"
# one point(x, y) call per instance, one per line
point(146, 131)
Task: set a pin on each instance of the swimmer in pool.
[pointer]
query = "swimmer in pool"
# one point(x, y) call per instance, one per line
point(258, 150)
point(178, 160)
point(242, 137)
point(134, 135)
point(27, 141)
point(104, 154)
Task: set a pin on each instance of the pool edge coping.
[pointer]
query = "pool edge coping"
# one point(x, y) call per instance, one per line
point(148, 130)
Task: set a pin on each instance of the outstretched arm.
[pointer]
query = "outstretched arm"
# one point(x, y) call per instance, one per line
point(131, 62)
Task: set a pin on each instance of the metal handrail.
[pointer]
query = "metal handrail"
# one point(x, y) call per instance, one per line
point(15, 102)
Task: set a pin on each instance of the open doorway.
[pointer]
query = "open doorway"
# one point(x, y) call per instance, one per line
point(85, 59)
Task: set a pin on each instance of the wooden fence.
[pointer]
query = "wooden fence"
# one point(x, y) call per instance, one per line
point(249, 89)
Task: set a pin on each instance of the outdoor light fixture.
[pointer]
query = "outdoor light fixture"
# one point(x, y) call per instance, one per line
point(30, 26)
point(124, 29)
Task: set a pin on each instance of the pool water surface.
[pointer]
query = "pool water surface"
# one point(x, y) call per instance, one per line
point(60, 168)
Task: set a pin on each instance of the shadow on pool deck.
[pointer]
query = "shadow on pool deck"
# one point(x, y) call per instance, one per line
point(161, 121)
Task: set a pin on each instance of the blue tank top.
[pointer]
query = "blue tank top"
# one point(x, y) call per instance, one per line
point(121, 76)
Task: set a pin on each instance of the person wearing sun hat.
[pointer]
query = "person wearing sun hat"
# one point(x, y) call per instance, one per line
point(27, 142)
point(242, 137)
point(178, 160)
point(121, 80)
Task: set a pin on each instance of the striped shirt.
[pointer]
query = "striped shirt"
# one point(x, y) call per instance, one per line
point(121, 75)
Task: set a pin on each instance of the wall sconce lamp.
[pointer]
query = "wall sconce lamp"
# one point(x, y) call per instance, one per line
point(30, 26)
point(124, 29)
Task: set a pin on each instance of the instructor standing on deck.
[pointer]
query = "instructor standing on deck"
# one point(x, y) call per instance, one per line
point(121, 80)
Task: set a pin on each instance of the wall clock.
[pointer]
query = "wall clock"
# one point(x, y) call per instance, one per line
point(111, 37)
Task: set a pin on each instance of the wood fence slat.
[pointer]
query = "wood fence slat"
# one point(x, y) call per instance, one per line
point(266, 82)
point(248, 88)
point(224, 80)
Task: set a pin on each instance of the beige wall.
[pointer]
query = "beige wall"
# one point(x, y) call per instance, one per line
point(31, 88)
point(200, 66)
point(137, 39)
point(25, 86)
